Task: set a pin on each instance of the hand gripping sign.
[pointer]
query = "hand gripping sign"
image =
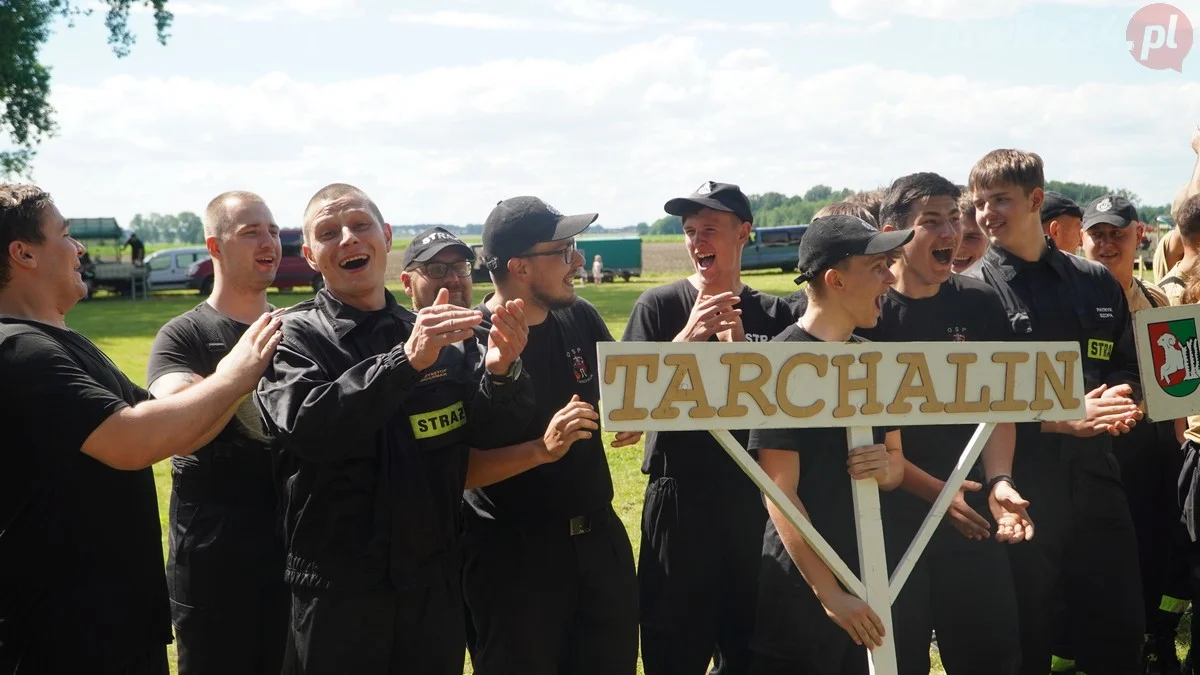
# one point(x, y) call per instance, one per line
point(718, 386)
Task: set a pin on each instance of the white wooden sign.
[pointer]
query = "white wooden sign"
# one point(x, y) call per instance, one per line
point(721, 386)
point(1169, 360)
point(715, 385)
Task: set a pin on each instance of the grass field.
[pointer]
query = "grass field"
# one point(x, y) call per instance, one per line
point(124, 329)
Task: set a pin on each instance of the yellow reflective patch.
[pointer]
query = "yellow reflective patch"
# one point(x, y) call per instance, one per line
point(1100, 349)
point(438, 422)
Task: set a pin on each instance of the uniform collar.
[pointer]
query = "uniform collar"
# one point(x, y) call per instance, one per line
point(1009, 265)
point(345, 318)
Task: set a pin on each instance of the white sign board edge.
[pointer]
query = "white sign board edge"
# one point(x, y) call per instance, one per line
point(1182, 358)
point(969, 383)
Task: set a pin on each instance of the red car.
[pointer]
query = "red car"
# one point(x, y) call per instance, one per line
point(293, 268)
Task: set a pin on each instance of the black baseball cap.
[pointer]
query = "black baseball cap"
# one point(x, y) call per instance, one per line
point(1057, 204)
point(718, 196)
point(1112, 209)
point(432, 242)
point(518, 224)
point(831, 239)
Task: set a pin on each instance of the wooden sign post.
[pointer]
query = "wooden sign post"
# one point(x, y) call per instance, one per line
point(718, 386)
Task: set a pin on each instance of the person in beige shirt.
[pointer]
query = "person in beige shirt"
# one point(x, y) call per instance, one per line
point(1187, 224)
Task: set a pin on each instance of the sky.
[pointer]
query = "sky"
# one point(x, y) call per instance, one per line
point(440, 108)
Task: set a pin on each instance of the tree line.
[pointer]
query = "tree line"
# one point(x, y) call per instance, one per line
point(157, 228)
point(773, 209)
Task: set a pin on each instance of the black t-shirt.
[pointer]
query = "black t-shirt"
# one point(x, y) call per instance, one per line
point(963, 310)
point(824, 488)
point(561, 360)
point(194, 343)
point(81, 567)
point(659, 314)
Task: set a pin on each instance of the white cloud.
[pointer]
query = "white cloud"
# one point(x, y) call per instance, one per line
point(618, 134)
point(875, 10)
point(256, 10)
point(456, 19)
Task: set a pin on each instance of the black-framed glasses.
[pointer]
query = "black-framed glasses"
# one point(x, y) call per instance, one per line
point(567, 253)
point(439, 270)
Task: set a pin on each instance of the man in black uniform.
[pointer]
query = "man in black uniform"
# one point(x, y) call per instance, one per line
point(229, 604)
point(1085, 548)
point(1062, 221)
point(376, 411)
point(1149, 454)
point(702, 520)
point(806, 622)
point(436, 259)
point(961, 586)
point(549, 574)
point(81, 570)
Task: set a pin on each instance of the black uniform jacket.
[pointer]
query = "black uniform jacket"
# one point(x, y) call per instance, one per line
point(371, 455)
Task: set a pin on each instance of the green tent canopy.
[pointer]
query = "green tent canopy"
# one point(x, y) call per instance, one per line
point(95, 228)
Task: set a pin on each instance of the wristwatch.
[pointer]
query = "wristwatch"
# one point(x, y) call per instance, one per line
point(514, 371)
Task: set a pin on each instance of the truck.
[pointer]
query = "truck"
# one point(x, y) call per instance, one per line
point(101, 266)
point(619, 256)
point(773, 248)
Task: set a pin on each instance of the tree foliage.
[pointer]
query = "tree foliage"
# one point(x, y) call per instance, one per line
point(155, 228)
point(773, 209)
point(26, 116)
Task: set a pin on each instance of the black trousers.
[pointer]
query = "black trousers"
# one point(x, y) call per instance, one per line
point(545, 602)
point(1084, 556)
point(794, 636)
point(382, 631)
point(1150, 466)
point(229, 603)
point(698, 575)
point(963, 589)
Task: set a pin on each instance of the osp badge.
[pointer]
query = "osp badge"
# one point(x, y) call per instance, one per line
point(1176, 356)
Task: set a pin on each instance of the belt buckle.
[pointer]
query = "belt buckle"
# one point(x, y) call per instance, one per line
point(580, 525)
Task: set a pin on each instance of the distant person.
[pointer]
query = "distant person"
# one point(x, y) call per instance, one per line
point(82, 582)
point(1187, 224)
point(597, 269)
point(703, 519)
point(225, 558)
point(137, 250)
point(436, 259)
point(1168, 251)
point(845, 208)
point(974, 240)
point(1062, 221)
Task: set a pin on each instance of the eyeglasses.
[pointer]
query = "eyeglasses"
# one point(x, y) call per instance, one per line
point(567, 253)
point(439, 270)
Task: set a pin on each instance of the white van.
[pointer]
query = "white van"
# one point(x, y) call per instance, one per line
point(169, 267)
